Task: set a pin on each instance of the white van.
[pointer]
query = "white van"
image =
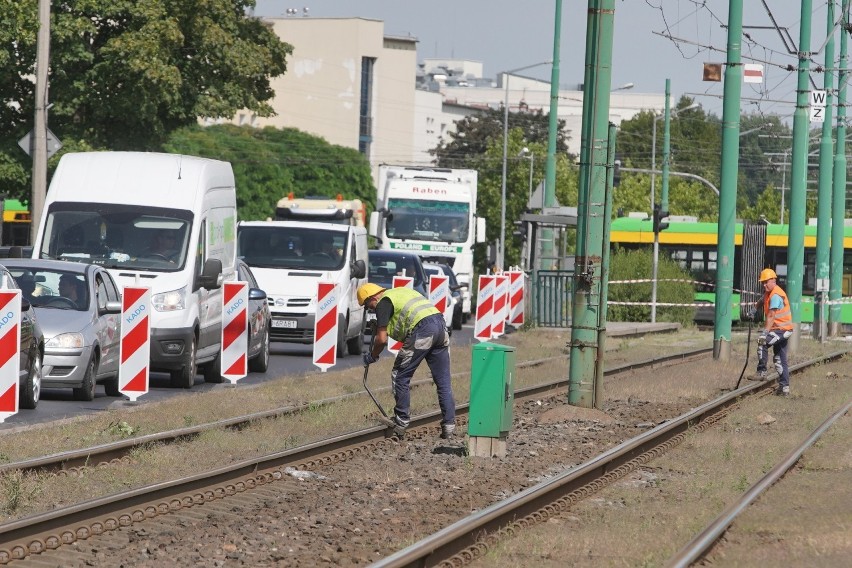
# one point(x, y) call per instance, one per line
point(164, 221)
point(288, 258)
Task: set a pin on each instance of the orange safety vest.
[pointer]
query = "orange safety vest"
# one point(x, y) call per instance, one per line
point(783, 317)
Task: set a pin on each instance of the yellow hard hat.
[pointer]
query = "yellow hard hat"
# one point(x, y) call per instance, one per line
point(767, 274)
point(368, 290)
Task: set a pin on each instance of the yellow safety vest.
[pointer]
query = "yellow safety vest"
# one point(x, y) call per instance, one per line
point(409, 307)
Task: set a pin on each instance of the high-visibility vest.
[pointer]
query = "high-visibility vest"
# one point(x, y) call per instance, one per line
point(783, 317)
point(409, 307)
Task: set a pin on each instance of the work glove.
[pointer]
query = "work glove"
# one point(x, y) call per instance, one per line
point(369, 359)
point(761, 339)
point(751, 315)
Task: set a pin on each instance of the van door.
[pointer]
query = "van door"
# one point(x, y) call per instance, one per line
point(208, 332)
point(107, 291)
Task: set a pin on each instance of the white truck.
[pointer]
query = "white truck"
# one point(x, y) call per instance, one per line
point(432, 213)
point(338, 210)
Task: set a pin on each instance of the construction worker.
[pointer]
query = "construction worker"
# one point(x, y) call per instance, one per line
point(407, 316)
point(777, 329)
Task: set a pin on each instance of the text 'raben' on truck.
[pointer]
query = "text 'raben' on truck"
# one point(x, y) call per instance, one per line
point(432, 213)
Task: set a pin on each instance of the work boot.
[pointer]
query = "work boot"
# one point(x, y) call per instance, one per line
point(783, 391)
point(762, 375)
point(447, 431)
point(398, 430)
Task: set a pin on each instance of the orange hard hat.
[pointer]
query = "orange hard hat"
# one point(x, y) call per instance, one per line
point(767, 274)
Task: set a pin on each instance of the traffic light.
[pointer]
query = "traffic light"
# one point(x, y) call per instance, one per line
point(659, 224)
point(616, 173)
point(520, 231)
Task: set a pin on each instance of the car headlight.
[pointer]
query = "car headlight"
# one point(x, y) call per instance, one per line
point(66, 341)
point(170, 301)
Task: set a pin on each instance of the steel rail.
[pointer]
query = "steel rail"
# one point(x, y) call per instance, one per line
point(698, 546)
point(466, 537)
point(70, 460)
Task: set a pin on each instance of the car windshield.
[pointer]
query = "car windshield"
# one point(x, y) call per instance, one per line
point(117, 236)
point(441, 221)
point(296, 248)
point(384, 267)
point(52, 288)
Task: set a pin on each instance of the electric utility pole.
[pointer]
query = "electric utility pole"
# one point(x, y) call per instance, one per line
point(39, 154)
point(838, 207)
point(547, 233)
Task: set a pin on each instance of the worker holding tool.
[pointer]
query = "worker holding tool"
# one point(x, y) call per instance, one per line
point(777, 329)
point(407, 316)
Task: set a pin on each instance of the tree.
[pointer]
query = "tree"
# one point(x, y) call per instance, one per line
point(124, 74)
point(270, 163)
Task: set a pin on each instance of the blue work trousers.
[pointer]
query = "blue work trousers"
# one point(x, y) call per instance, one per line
point(778, 340)
point(428, 340)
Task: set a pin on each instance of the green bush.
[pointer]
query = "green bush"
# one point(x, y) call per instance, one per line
point(636, 265)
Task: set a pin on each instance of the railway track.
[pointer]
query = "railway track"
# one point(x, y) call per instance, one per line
point(50, 531)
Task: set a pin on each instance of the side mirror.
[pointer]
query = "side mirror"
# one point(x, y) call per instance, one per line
point(256, 294)
point(112, 308)
point(480, 229)
point(359, 269)
point(211, 274)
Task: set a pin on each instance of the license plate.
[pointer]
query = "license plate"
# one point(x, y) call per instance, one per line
point(284, 323)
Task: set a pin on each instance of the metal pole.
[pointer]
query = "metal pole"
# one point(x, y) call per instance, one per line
point(532, 162)
point(728, 191)
point(838, 208)
point(586, 354)
point(799, 177)
point(501, 251)
point(664, 201)
point(39, 155)
point(602, 308)
point(549, 198)
point(783, 186)
point(653, 163)
point(826, 163)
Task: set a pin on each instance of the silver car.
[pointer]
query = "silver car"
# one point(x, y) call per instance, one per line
point(78, 308)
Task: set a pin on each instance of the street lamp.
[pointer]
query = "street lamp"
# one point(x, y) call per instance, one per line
point(531, 158)
point(654, 147)
point(501, 257)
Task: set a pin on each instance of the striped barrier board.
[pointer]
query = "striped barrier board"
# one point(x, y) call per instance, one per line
point(325, 326)
point(10, 346)
point(501, 297)
point(516, 298)
point(399, 282)
point(234, 356)
point(439, 292)
point(484, 308)
point(135, 350)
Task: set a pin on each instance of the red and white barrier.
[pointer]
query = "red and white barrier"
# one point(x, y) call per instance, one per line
point(325, 326)
point(135, 351)
point(439, 293)
point(10, 346)
point(399, 282)
point(501, 299)
point(234, 355)
point(484, 308)
point(516, 298)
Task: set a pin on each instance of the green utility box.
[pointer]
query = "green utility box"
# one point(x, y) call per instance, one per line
point(492, 390)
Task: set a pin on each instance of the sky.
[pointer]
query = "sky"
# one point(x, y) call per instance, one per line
point(507, 35)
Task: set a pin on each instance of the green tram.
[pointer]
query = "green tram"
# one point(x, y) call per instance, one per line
point(693, 246)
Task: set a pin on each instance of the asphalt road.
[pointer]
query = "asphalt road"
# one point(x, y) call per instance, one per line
point(287, 360)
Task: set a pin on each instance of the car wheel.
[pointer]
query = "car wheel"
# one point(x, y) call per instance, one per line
point(341, 339)
point(184, 378)
point(457, 319)
point(260, 362)
point(213, 370)
point(31, 385)
point(86, 391)
point(111, 387)
point(354, 345)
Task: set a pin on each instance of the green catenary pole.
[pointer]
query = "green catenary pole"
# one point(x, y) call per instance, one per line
point(799, 177)
point(728, 188)
point(585, 352)
point(547, 247)
point(826, 148)
point(610, 176)
point(667, 125)
point(838, 208)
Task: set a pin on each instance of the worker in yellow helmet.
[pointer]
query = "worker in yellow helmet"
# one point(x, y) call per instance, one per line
point(778, 328)
point(407, 316)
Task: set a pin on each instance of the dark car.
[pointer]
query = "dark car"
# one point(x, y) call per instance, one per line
point(78, 307)
point(31, 347)
point(385, 264)
point(259, 318)
point(455, 290)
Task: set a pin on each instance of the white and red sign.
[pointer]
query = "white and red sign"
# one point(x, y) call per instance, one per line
point(516, 298)
point(501, 302)
point(325, 326)
point(234, 356)
point(399, 282)
point(484, 308)
point(753, 73)
point(135, 351)
point(439, 292)
point(10, 346)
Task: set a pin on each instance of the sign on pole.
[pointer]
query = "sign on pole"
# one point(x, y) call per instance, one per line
point(399, 282)
point(501, 298)
point(234, 356)
point(10, 346)
point(817, 107)
point(753, 73)
point(325, 326)
point(484, 308)
point(135, 351)
point(53, 143)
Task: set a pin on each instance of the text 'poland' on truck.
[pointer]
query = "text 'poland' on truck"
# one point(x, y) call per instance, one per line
point(432, 213)
point(289, 259)
point(163, 221)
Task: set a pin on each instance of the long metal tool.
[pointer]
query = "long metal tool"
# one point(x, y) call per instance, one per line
point(367, 370)
point(748, 351)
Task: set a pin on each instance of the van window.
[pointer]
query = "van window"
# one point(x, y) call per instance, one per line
point(292, 247)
